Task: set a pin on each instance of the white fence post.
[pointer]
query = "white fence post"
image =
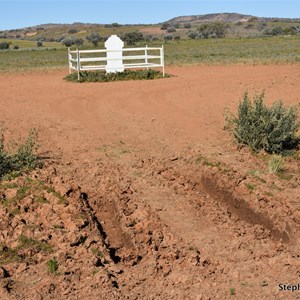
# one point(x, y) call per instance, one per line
point(70, 62)
point(162, 59)
point(114, 46)
point(78, 64)
point(146, 56)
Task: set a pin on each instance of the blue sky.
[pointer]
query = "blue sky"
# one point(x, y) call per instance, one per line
point(23, 13)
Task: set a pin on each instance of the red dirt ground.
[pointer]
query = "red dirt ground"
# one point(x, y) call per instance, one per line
point(166, 205)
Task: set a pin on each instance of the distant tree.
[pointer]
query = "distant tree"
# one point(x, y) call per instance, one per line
point(168, 37)
point(192, 35)
point(68, 42)
point(130, 38)
point(213, 29)
point(72, 31)
point(164, 26)
point(276, 30)
point(115, 25)
point(171, 29)
point(187, 25)
point(39, 44)
point(94, 38)
point(78, 41)
point(261, 26)
point(4, 45)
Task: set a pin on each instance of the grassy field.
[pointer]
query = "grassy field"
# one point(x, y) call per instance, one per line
point(26, 44)
point(184, 52)
point(234, 50)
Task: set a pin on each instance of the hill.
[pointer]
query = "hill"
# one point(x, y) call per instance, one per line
point(227, 17)
point(182, 27)
point(221, 17)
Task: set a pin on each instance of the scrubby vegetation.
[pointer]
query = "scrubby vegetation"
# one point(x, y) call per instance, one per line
point(273, 129)
point(101, 76)
point(24, 158)
point(94, 38)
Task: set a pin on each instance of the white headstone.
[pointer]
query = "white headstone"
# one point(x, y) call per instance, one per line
point(114, 58)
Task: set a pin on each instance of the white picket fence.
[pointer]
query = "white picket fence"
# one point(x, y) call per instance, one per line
point(104, 59)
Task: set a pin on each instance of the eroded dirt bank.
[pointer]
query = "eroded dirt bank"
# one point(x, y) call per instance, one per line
point(143, 195)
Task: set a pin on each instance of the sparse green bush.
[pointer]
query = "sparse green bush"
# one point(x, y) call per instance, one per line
point(39, 44)
point(171, 29)
point(68, 42)
point(78, 41)
point(94, 38)
point(187, 25)
point(192, 35)
point(24, 157)
point(101, 76)
point(72, 31)
point(4, 45)
point(275, 163)
point(52, 265)
point(168, 37)
point(164, 26)
point(276, 30)
point(130, 38)
point(273, 129)
point(213, 29)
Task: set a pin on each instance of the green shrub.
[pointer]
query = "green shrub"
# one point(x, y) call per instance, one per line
point(171, 29)
point(213, 29)
point(101, 76)
point(275, 164)
point(52, 265)
point(94, 38)
point(4, 45)
point(273, 129)
point(168, 37)
point(72, 31)
point(130, 38)
point(23, 158)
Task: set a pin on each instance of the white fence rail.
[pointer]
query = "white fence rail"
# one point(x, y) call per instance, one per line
point(131, 58)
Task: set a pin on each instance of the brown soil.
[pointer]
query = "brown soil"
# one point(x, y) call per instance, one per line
point(143, 194)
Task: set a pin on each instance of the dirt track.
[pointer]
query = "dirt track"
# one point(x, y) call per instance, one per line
point(165, 181)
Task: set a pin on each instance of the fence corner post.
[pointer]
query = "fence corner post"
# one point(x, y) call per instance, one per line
point(78, 64)
point(69, 58)
point(162, 59)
